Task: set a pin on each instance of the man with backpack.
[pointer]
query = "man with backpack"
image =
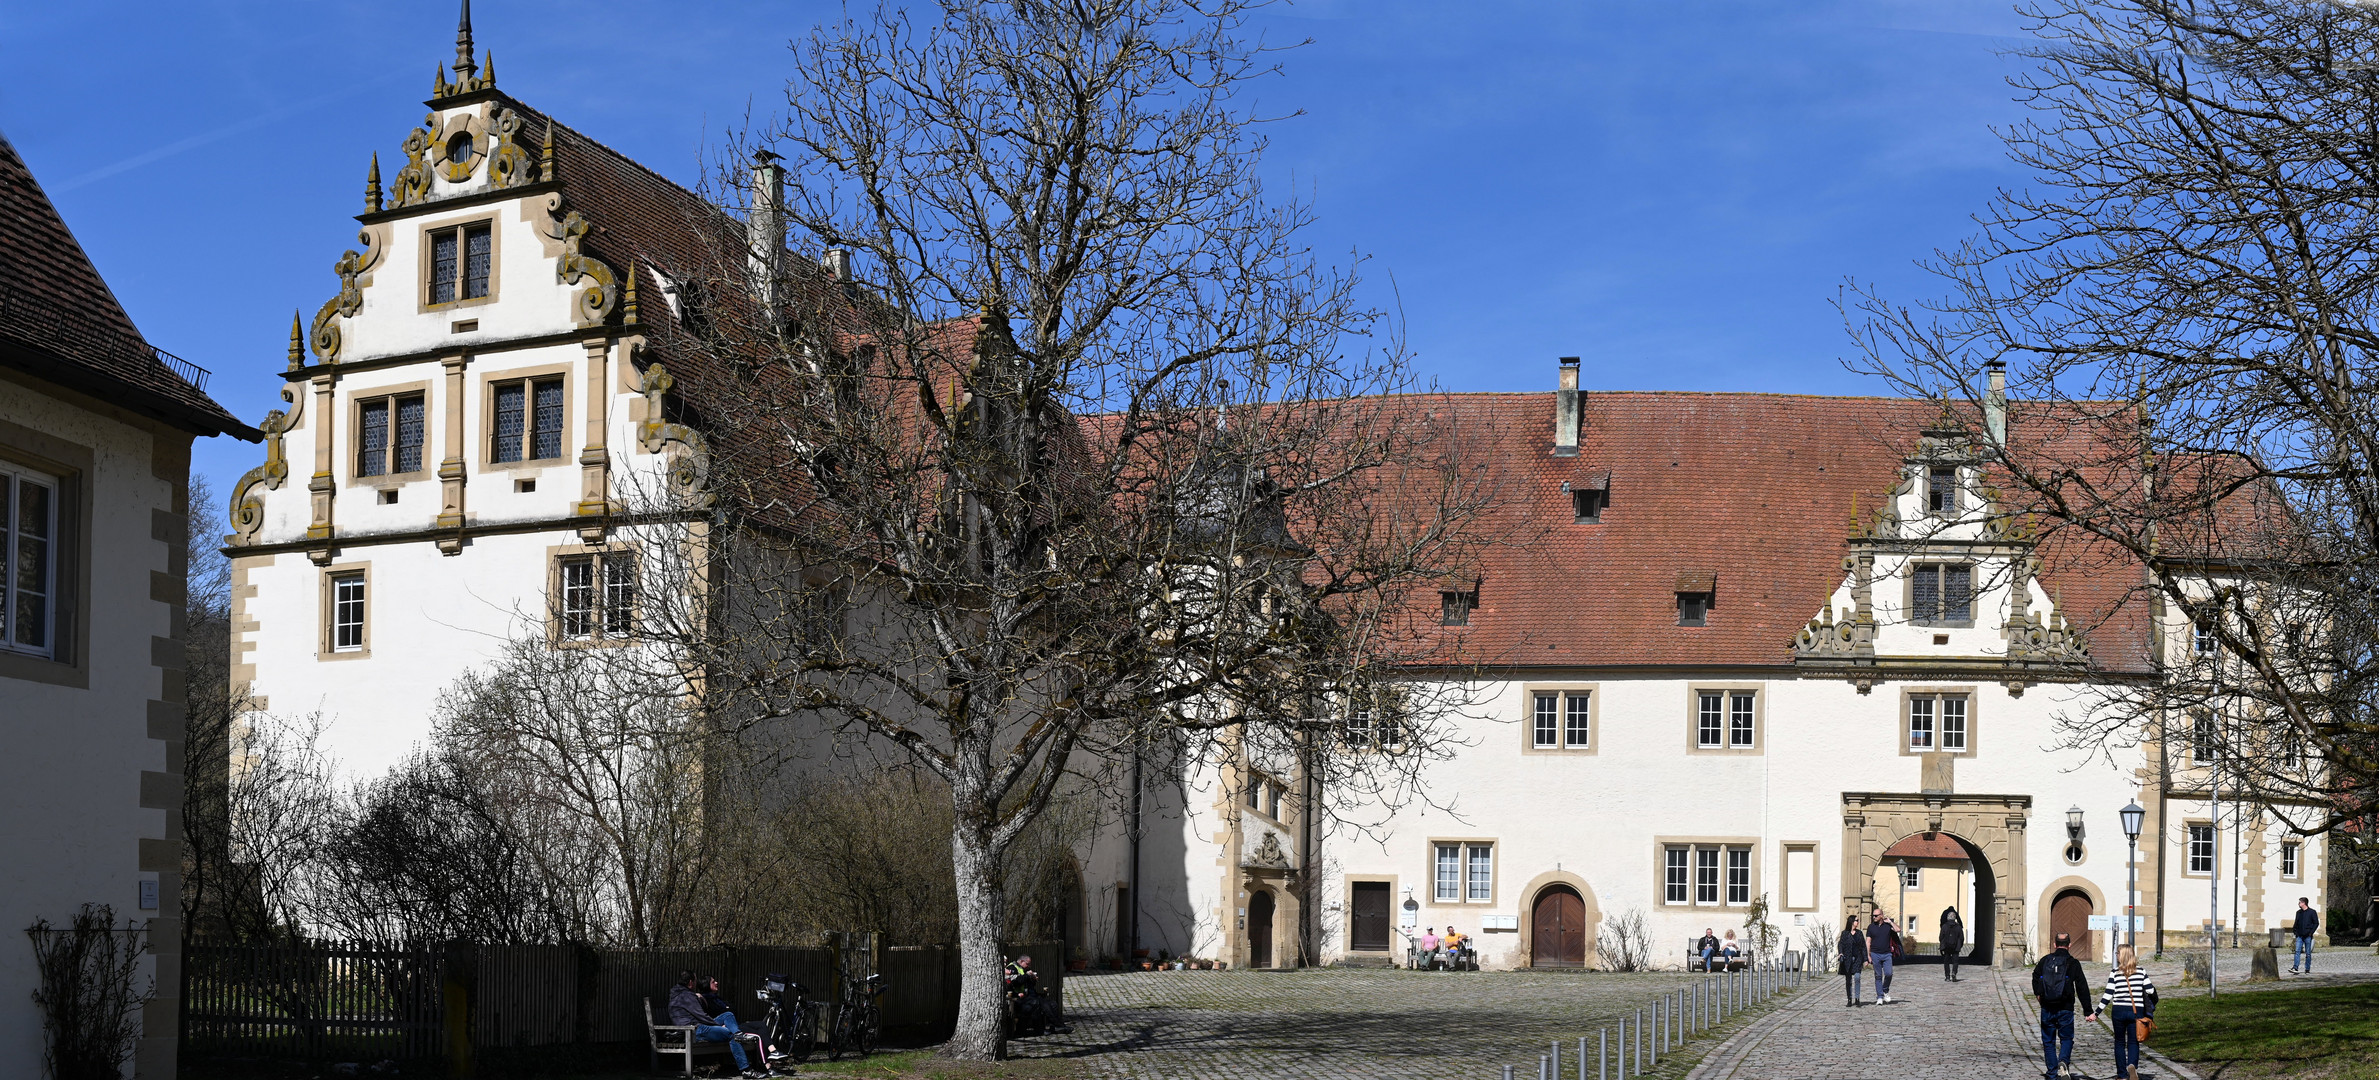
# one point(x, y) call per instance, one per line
point(2058, 983)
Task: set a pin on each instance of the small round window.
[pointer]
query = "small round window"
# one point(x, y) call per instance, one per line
point(458, 148)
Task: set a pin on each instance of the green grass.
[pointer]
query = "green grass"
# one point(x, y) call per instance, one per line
point(2328, 1033)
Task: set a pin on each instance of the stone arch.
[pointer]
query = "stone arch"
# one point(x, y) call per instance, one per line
point(1521, 954)
point(2044, 939)
point(1992, 827)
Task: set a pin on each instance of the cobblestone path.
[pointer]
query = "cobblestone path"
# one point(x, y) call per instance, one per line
point(1983, 1027)
point(1244, 1025)
point(1933, 1030)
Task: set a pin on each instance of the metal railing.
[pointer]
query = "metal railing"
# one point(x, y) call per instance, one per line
point(1664, 1024)
point(40, 321)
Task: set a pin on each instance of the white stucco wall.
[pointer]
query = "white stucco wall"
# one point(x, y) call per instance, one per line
point(71, 781)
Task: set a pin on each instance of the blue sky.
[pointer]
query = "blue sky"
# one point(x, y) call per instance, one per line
point(1672, 189)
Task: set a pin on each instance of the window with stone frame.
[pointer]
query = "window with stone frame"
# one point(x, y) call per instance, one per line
point(29, 529)
point(1941, 594)
point(2201, 849)
point(389, 431)
point(461, 263)
point(1938, 722)
point(528, 420)
point(2291, 853)
point(596, 596)
point(1941, 491)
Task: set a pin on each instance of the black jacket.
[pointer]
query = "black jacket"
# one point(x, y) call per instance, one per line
point(2077, 982)
point(1853, 947)
point(1708, 941)
point(1953, 936)
point(2307, 921)
point(685, 1007)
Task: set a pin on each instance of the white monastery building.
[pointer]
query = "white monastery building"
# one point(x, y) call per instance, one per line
point(1765, 640)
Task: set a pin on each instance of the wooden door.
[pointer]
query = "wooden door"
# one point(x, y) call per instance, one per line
point(1259, 930)
point(1558, 928)
point(1368, 930)
point(2070, 914)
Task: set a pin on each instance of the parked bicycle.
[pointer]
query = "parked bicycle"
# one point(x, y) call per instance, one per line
point(791, 1022)
point(858, 1020)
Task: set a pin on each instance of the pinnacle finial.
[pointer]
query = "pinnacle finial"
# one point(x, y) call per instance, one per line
point(628, 297)
point(371, 186)
point(297, 340)
point(438, 86)
point(545, 167)
point(462, 47)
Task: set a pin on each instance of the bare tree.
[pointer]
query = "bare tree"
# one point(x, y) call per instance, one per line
point(2182, 299)
point(1054, 457)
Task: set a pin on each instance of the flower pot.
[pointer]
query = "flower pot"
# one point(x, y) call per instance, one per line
point(1077, 965)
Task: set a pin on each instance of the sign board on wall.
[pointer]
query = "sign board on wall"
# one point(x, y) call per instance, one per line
point(1499, 922)
point(2115, 922)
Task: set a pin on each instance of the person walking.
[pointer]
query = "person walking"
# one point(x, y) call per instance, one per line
point(1953, 943)
point(1852, 948)
point(2130, 997)
point(2057, 983)
point(1883, 946)
point(2307, 921)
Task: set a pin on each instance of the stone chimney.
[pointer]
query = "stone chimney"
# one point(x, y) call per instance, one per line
point(1568, 405)
point(838, 264)
point(765, 228)
point(1995, 404)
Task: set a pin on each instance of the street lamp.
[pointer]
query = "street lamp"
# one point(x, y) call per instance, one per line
point(2133, 817)
point(1901, 866)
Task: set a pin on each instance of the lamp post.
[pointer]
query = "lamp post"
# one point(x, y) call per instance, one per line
point(2133, 817)
point(1900, 866)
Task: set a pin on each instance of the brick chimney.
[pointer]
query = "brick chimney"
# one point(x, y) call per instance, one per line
point(1568, 406)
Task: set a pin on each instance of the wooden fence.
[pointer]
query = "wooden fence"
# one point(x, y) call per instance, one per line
point(322, 1002)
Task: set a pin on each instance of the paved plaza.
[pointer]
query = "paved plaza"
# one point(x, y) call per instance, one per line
point(1362, 1024)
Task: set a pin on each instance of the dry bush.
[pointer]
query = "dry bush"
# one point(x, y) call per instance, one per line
point(1623, 943)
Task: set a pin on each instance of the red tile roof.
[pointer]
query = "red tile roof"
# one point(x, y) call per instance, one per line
point(1927, 846)
point(60, 321)
point(1754, 491)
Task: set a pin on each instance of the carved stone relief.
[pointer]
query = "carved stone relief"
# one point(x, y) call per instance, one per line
point(351, 268)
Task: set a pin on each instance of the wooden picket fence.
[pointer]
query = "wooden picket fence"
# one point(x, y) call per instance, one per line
point(367, 1001)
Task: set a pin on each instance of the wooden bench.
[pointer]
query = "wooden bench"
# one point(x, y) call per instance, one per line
point(678, 1039)
point(1718, 961)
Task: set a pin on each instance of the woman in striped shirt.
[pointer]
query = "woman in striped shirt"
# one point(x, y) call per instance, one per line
point(2129, 996)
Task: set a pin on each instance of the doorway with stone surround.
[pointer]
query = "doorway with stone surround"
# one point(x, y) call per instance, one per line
point(1989, 827)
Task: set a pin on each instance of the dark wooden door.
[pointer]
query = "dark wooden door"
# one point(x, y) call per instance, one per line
point(1558, 927)
point(1259, 930)
point(1369, 929)
point(2070, 914)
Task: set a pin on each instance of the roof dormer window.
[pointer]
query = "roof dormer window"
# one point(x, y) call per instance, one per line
point(1455, 606)
point(1697, 593)
point(462, 263)
point(1941, 491)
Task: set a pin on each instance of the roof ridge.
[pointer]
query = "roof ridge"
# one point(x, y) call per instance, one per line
point(616, 153)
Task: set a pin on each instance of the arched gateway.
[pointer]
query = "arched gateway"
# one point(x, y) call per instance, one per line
point(1992, 829)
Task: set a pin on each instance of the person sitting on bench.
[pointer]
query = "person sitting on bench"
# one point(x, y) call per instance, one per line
point(1707, 947)
point(1730, 951)
point(686, 1007)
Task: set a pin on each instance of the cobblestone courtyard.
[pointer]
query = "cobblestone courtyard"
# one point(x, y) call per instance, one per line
point(1362, 1024)
point(1197, 1025)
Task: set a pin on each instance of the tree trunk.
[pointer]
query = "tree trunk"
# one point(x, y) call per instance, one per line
point(980, 902)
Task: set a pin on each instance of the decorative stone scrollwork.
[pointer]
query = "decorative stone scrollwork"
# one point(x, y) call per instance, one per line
point(351, 265)
point(594, 303)
point(688, 470)
point(413, 181)
point(508, 163)
point(1827, 637)
point(247, 507)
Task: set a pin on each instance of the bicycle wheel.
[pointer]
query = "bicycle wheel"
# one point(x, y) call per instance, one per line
point(870, 1020)
point(838, 1037)
point(803, 1037)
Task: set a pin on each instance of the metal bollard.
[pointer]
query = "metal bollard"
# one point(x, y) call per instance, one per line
point(1581, 1057)
point(1639, 1058)
point(1507, 1072)
point(1556, 1073)
point(1602, 1055)
point(1544, 1068)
